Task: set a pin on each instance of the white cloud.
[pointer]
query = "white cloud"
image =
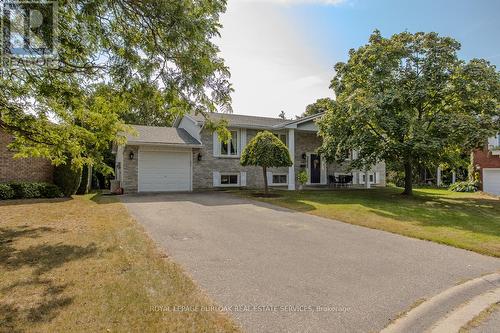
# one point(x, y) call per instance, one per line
point(273, 67)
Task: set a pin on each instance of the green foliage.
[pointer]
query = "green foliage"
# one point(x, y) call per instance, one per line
point(266, 150)
point(321, 105)
point(116, 61)
point(50, 191)
point(28, 190)
point(6, 192)
point(408, 99)
point(68, 178)
point(467, 186)
point(302, 177)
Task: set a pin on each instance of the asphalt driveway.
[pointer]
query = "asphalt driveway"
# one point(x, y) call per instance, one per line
point(277, 270)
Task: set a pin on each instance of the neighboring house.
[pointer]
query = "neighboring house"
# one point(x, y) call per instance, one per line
point(189, 156)
point(487, 163)
point(21, 169)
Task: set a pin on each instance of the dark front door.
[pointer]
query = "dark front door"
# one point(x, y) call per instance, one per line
point(315, 169)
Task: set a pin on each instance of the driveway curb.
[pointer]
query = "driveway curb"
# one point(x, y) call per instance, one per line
point(422, 312)
point(461, 316)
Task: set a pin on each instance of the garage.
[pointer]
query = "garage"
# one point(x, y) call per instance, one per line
point(491, 180)
point(164, 171)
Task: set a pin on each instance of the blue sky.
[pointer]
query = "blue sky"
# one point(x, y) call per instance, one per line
point(281, 52)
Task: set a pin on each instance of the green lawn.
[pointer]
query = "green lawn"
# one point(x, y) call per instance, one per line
point(85, 265)
point(465, 220)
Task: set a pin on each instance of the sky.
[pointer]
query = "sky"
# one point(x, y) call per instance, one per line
point(281, 53)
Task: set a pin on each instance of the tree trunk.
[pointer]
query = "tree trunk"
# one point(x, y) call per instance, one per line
point(471, 167)
point(264, 170)
point(89, 179)
point(408, 178)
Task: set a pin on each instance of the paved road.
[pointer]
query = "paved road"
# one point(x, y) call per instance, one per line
point(276, 262)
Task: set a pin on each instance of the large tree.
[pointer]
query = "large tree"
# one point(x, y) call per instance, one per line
point(153, 57)
point(266, 150)
point(408, 99)
point(321, 105)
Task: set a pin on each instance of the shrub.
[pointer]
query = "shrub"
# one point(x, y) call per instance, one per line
point(302, 177)
point(67, 178)
point(50, 191)
point(6, 192)
point(26, 190)
point(467, 186)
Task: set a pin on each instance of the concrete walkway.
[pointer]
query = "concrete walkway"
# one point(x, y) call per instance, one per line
point(282, 271)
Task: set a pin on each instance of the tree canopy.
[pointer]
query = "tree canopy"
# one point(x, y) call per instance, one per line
point(321, 105)
point(267, 151)
point(408, 99)
point(116, 61)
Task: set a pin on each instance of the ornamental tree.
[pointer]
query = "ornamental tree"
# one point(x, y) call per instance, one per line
point(408, 99)
point(267, 151)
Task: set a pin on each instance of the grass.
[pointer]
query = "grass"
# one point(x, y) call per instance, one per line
point(465, 220)
point(481, 318)
point(83, 264)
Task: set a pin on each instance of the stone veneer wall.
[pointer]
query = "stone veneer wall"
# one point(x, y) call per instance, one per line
point(203, 170)
point(22, 169)
point(130, 169)
point(306, 142)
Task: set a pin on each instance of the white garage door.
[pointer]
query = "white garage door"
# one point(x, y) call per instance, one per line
point(491, 181)
point(164, 171)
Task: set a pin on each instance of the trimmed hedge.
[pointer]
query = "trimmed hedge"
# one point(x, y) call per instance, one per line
point(25, 190)
point(6, 192)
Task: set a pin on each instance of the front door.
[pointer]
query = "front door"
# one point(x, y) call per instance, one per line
point(315, 169)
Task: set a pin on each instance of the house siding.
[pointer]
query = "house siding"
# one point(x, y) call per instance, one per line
point(203, 170)
point(485, 159)
point(22, 169)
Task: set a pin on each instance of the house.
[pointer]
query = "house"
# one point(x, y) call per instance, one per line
point(487, 163)
point(189, 156)
point(21, 169)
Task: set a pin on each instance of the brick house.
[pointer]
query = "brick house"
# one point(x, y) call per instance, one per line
point(487, 163)
point(21, 169)
point(189, 156)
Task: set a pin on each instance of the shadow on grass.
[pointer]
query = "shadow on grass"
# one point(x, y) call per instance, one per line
point(428, 208)
point(42, 259)
point(17, 202)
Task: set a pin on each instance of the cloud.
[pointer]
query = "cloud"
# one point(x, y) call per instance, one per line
point(273, 66)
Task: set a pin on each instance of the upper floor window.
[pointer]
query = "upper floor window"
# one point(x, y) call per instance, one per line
point(282, 137)
point(230, 148)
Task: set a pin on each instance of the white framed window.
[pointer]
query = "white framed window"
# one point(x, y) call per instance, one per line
point(230, 148)
point(229, 179)
point(283, 137)
point(279, 179)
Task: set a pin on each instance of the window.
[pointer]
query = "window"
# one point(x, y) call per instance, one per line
point(280, 179)
point(231, 147)
point(229, 179)
point(282, 137)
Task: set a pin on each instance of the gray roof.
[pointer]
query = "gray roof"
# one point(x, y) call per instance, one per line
point(239, 120)
point(161, 135)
